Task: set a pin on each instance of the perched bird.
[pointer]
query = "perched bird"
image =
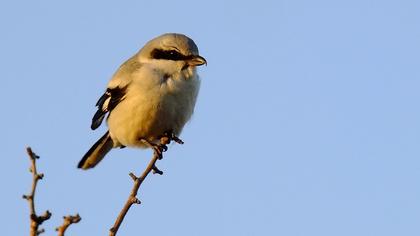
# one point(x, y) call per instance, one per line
point(152, 94)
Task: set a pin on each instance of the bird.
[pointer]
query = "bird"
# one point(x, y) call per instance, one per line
point(151, 95)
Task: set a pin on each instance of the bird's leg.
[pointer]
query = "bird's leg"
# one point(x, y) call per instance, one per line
point(164, 140)
point(158, 148)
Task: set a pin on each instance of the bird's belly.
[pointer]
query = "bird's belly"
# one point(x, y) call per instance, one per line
point(148, 115)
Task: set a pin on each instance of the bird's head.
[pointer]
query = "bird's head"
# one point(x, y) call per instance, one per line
point(172, 52)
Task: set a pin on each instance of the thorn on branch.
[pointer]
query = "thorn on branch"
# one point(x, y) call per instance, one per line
point(135, 200)
point(40, 176)
point(156, 170)
point(112, 231)
point(40, 219)
point(40, 231)
point(133, 176)
point(68, 220)
point(44, 217)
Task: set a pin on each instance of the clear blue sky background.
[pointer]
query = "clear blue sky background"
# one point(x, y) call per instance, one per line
point(307, 122)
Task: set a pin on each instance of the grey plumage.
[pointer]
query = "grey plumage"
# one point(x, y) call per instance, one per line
point(151, 93)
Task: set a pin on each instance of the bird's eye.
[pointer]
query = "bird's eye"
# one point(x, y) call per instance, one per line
point(174, 55)
point(167, 55)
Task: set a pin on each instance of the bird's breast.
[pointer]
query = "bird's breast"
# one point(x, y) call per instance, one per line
point(152, 107)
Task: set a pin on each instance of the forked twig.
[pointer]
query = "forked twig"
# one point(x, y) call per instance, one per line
point(68, 220)
point(151, 167)
point(37, 220)
point(132, 198)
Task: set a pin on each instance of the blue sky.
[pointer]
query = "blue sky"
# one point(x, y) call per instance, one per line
point(307, 122)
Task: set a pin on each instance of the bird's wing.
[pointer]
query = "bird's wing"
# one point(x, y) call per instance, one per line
point(116, 91)
point(108, 101)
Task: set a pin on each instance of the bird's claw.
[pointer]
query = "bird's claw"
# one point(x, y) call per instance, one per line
point(164, 140)
point(160, 149)
point(170, 136)
point(177, 140)
point(163, 147)
point(157, 148)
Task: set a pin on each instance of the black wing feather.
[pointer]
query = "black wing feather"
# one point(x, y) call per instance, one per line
point(97, 119)
point(113, 96)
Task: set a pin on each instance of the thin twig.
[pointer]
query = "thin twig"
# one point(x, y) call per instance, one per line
point(36, 220)
point(151, 167)
point(68, 220)
point(132, 199)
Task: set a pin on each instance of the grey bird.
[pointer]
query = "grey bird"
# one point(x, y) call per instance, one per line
point(152, 94)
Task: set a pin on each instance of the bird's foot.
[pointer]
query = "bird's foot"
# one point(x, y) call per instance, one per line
point(167, 137)
point(164, 140)
point(159, 149)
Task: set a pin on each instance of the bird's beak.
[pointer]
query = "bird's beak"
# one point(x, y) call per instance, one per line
point(197, 61)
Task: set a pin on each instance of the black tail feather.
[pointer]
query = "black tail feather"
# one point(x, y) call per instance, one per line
point(97, 152)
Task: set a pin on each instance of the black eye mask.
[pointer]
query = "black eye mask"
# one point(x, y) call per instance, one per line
point(169, 55)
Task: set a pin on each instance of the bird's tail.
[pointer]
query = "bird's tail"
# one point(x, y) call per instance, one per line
point(97, 152)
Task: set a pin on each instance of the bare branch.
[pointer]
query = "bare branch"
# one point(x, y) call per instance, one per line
point(36, 220)
point(68, 220)
point(132, 198)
